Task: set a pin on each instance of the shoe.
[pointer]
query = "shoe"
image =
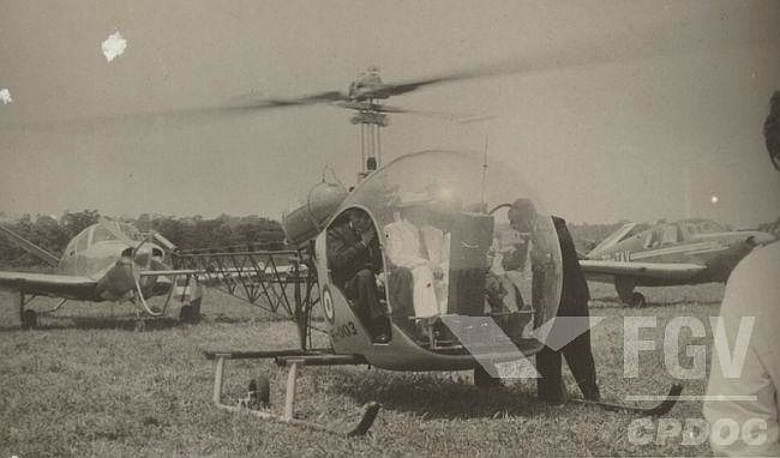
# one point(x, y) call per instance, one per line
point(553, 396)
point(382, 338)
point(593, 396)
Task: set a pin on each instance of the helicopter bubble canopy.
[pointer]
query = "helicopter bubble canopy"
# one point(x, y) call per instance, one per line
point(493, 241)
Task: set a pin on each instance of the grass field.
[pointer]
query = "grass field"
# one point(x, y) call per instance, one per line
point(88, 383)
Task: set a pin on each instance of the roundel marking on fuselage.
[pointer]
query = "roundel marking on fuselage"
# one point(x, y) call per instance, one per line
point(327, 304)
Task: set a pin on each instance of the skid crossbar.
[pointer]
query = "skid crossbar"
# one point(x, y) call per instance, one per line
point(294, 360)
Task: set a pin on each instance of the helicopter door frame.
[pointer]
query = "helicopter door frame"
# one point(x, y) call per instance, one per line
point(343, 328)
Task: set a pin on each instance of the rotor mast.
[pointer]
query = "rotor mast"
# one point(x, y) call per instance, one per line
point(369, 116)
point(371, 122)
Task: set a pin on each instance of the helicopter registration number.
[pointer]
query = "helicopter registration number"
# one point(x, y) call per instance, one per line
point(343, 331)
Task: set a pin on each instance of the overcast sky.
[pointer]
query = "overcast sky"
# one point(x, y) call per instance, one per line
point(627, 110)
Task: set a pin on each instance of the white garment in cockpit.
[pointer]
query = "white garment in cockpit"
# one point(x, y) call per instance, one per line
point(419, 250)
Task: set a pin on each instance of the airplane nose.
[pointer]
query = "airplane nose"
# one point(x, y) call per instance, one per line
point(143, 255)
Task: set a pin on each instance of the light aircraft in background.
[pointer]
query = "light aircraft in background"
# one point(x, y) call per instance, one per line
point(685, 252)
point(108, 261)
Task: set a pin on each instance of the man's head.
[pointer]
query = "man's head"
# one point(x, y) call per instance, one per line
point(415, 207)
point(772, 130)
point(521, 215)
point(359, 219)
point(417, 214)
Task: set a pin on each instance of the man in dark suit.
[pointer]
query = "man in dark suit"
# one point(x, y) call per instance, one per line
point(354, 260)
point(574, 302)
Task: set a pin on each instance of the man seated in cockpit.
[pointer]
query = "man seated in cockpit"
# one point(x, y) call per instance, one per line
point(413, 243)
point(355, 259)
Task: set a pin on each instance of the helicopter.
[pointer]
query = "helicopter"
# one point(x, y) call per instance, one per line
point(466, 200)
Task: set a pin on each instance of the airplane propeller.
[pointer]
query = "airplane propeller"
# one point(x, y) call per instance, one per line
point(145, 260)
point(142, 258)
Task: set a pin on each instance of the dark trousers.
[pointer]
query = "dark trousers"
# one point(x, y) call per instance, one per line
point(363, 291)
point(400, 284)
point(579, 357)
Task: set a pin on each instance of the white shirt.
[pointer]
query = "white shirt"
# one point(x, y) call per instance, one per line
point(753, 289)
point(419, 250)
point(404, 248)
point(402, 244)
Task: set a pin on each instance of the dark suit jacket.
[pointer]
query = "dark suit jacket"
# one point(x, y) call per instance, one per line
point(575, 293)
point(347, 256)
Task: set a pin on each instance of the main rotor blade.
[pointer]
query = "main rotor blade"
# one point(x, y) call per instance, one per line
point(391, 89)
point(250, 102)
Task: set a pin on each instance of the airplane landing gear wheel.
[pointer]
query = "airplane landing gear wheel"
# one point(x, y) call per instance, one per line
point(29, 319)
point(482, 379)
point(195, 311)
point(190, 313)
point(184, 313)
point(637, 301)
point(259, 393)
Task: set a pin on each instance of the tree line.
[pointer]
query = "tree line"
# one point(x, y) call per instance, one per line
point(196, 232)
point(187, 233)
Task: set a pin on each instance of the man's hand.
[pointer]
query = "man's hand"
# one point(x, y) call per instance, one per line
point(367, 236)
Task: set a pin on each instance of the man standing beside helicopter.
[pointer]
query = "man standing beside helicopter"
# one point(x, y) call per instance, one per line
point(355, 259)
point(574, 302)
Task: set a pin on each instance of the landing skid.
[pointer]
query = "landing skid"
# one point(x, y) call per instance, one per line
point(360, 428)
point(656, 411)
point(293, 359)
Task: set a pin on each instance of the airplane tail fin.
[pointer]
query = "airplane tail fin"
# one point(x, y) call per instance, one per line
point(612, 239)
point(30, 247)
point(164, 242)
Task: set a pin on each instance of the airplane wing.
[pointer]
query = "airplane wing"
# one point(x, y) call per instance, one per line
point(65, 286)
point(30, 247)
point(641, 269)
